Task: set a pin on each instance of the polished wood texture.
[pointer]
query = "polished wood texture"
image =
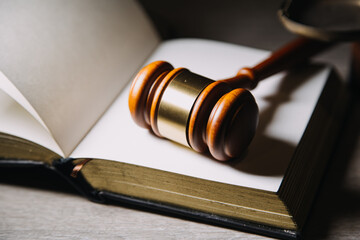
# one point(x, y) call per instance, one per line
point(224, 117)
point(197, 129)
point(140, 91)
point(232, 124)
point(293, 53)
point(223, 120)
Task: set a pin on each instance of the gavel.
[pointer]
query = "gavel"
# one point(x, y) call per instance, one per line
point(206, 115)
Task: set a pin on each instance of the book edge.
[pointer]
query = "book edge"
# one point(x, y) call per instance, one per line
point(336, 118)
point(63, 168)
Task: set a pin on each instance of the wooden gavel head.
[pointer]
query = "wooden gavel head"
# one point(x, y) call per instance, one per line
point(193, 110)
point(204, 114)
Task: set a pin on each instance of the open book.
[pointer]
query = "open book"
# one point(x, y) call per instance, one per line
point(65, 72)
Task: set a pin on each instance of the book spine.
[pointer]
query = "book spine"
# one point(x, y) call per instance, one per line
point(65, 167)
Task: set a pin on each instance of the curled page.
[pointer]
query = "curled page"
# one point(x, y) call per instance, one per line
point(7, 86)
point(70, 59)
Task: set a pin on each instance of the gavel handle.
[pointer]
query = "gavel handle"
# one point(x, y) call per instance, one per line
point(284, 58)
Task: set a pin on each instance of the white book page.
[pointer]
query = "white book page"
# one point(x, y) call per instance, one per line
point(17, 121)
point(70, 59)
point(7, 86)
point(283, 118)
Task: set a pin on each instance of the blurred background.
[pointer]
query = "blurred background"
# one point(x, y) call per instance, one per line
point(250, 23)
